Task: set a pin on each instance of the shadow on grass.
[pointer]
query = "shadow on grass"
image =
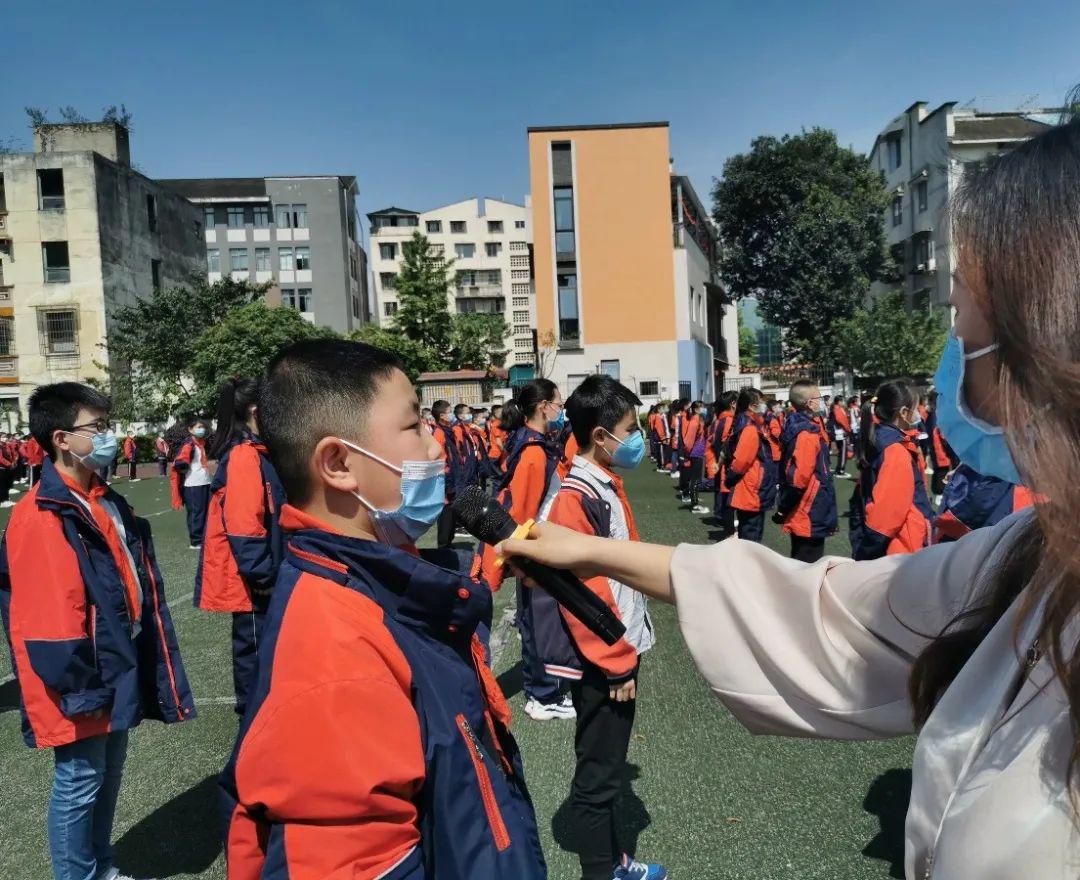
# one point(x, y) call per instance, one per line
point(888, 800)
point(180, 837)
point(631, 817)
point(9, 696)
point(512, 680)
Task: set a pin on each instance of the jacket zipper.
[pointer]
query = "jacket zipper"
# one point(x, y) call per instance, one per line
point(165, 655)
point(487, 791)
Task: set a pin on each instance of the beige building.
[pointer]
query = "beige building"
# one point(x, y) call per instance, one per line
point(922, 155)
point(82, 234)
point(489, 242)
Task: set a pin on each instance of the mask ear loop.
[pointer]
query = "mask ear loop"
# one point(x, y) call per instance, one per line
point(982, 351)
point(371, 455)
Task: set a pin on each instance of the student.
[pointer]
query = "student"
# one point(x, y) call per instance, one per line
point(806, 504)
point(839, 425)
point(674, 418)
point(942, 458)
point(896, 514)
point(426, 418)
point(242, 549)
point(604, 679)
point(973, 501)
point(721, 433)
point(442, 429)
point(479, 429)
point(8, 462)
point(376, 742)
point(161, 446)
point(528, 485)
point(774, 429)
point(131, 453)
point(34, 456)
point(663, 432)
point(751, 472)
point(496, 441)
point(923, 435)
point(88, 626)
point(191, 481)
point(693, 442)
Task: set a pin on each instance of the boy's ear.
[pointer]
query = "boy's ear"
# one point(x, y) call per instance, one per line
point(329, 462)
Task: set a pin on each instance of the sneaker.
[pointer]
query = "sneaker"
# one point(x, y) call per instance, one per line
point(843, 475)
point(194, 546)
point(631, 869)
point(700, 508)
point(136, 480)
point(684, 499)
point(8, 504)
point(674, 475)
point(661, 470)
point(113, 874)
point(930, 471)
point(538, 711)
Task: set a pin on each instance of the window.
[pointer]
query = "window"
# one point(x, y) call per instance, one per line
point(924, 251)
point(387, 279)
point(151, 211)
point(7, 336)
point(388, 251)
point(434, 225)
point(921, 191)
point(213, 260)
point(58, 332)
point(210, 217)
point(355, 307)
point(564, 220)
point(523, 344)
point(238, 259)
point(481, 305)
point(236, 216)
point(389, 309)
point(897, 210)
point(303, 299)
point(492, 249)
point(464, 251)
point(693, 316)
point(303, 257)
point(262, 216)
point(519, 224)
point(155, 274)
point(299, 218)
point(262, 259)
point(895, 152)
point(54, 255)
point(352, 269)
point(519, 275)
point(491, 276)
point(288, 297)
point(649, 388)
point(495, 226)
point(569, 326)
point(51, 189)
point(282, 217)
point(519, 262)
point(610, 368)
point(522, 290)
point(285, 259)
point(457, 226)
point(684, 391)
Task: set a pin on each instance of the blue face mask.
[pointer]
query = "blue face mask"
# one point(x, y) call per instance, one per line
point(978, 444)
point(422, 496)
point(557, 423)
point(465, 418)
point(102, 454)
point(630, 451)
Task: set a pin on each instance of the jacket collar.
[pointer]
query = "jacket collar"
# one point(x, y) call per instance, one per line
point(54, 492)
point(598, 472)
point(889, 434)
point(803, 421)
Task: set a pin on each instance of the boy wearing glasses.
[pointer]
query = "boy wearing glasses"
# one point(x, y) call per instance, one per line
point(84, 609)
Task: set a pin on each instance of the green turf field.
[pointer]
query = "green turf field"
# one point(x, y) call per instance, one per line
point(702, 795)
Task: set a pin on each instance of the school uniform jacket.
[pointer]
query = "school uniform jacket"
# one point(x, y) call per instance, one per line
point(896, 512)
point(569, 450)
point(162, 447)
point(377, 743)
point(774, 431)
point(839, 420)
point(751, 471)
point(33, 453)
point(450, 455)
point(971, 501)
point(496, 442)
point(130, 448)
point(807, 498)
point(85, 634)
point(721, 433)
point(692, 433)
point(181, 465)
point(242, 548)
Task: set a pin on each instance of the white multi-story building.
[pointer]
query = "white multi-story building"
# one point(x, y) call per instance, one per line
point(922, 157)
point(490, 244)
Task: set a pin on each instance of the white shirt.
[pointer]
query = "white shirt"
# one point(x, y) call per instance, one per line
point(198, 474)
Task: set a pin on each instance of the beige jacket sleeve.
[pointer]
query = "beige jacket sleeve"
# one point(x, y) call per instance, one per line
point(822, 649)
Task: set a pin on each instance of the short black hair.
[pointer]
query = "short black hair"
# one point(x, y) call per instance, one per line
point(462, 407)
point(55, 408)
point(599, 401)
point(315, 389)
point(440, 408)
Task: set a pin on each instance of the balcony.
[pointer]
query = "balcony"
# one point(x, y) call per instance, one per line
point(478, 290)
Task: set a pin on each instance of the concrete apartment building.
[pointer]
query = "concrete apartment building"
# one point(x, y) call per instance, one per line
point(626, 265)
point(489, 242)
point(81, 235)
point(922, 156)
point(297, 233)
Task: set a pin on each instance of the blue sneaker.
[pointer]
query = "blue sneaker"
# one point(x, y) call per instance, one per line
point(631, 869)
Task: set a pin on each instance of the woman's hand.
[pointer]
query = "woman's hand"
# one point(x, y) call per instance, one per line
point(557, 547)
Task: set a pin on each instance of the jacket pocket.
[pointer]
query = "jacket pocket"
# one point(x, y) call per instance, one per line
point(483, 779)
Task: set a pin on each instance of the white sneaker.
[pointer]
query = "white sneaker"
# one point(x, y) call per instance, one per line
point(930, 471)
point(661, 470)
point(700, 508)
point(194, 546)
point(136, 480)
point(674, 475)
point(116, 875)
point(538, 711)
point(937, 501)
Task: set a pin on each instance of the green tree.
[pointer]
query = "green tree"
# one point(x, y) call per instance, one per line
point(801, 220)
point(416, 356)
point(476, 341)
point(242, 344)
point(747, 345)
point(423, 286)
point(884, 338)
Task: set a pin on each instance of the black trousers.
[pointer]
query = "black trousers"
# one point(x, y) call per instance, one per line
point(697, 469)
point(7, 477)
point(247, 627)
point(751, 525)
point(132, 469)
point(600, 742)
point(684, 475)
point(807, 549)
point(162, 466)
point(724, 512)
point(841, 454)
point(937, 481)
point(196, 501)
point(444, 528)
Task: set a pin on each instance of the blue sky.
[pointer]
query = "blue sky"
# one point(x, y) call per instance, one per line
point(427, 103)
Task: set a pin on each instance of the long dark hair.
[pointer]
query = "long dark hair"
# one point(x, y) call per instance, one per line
point(1016, 225)
point(890, 398)
point(529, 396)
point(235, 397)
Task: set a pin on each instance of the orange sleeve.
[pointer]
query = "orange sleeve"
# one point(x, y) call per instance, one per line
point(617, 661)
point(526, 493)
point(805, 458)
point(840, 413)
point(893, 493)
point(746, 450)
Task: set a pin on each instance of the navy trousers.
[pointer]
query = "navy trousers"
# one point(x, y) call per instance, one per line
point(536, 683)
point(751, 525)
point(196, 500)
point(247, 627)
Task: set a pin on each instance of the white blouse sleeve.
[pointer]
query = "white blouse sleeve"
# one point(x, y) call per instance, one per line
point(823, 649)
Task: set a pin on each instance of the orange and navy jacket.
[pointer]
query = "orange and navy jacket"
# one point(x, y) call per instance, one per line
point(896, 513)
point(674, 421)
point(9, 455)
point(468, 469)
point(131, 449)
point(85, 635)
point(570, 449)
point(448, 452)
point(942, 457)
point(721, 433)
point(839, 420)
point(750, 470)
point(242, 550)
point(532, 461)
point(496, 442)
point(774, 430)
point(807, 497)
point(971, 501)
point(692, 434)
point(377, 742)
point(33, 453)
point(181, 464)
point(162, 447)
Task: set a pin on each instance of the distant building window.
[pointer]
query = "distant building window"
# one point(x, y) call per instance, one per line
point(151, 212)
point(238, 259)
point(286, 262)
point(897, 210)
point(236, 216)
point(464, 251)
point(262, 216)
point(51, 189)
point(210, 216)
point(895, 152)
point(569, 324)
point(303, 299)
point(924, 251)
point(921, 194)
point(213, 260)
point(610, 368)
point(155, 274)
point(457, 226)
point(352, 268)
point(262, 259)
point(58, 332)
point(488, 305)
point(388, 251)
point(492, 248)
point(386, 279)
point(649, 388)
point(390, 308)
point(564, 219)
point(7, 336)
point(283, 216)
point(495, 226)
point(299, 218)
point(519, 224)
point(434, 225)
point(288, 297)
point(355, 307)
point(54, 255)
point(303, 258)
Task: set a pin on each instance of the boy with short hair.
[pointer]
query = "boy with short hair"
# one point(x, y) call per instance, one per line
point(604, 677)
point(376, 740)
point(84, 609)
